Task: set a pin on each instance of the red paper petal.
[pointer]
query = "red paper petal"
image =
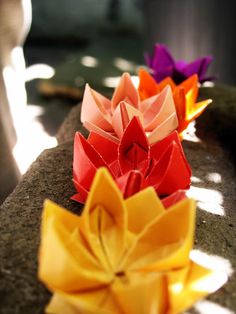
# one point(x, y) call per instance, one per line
point(81, 195)
point(86, 161)
point(175, 170)
point(130, 183)
point(173, 198)
point(157, 149)
point(133, 148)
point(105, 147)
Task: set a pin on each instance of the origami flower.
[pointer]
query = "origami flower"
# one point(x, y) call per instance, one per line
point(163, 65)
point(185, 96)
point(110, 117)
point(133, 162)
point(121, 256)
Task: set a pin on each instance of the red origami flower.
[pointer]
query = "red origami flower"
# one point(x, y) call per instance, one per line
point(133, 163)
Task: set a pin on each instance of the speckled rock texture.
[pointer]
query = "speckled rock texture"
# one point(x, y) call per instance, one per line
point(70, 125)
point(50, 177)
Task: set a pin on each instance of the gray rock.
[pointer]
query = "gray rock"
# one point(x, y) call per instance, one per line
point(50, 177)
point(220, 116)
point(70, 125)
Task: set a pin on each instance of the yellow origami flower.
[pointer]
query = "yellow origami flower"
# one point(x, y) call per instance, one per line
point(120, 256)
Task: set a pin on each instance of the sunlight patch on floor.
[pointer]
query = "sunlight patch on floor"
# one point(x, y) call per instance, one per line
point(208, 307)
point(209, 200)
point(215, 262)
point(190, 133)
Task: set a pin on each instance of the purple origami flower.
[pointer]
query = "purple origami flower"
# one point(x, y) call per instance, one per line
point(163, 65)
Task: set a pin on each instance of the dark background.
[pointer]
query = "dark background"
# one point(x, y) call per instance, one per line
point(190, 28)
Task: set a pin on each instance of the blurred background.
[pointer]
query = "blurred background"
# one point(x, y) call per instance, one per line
point(70, 42)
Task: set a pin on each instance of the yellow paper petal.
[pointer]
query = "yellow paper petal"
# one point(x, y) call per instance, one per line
point(141, 294)
point(65, 264)
point(122, 257)
point(142, 208)
point(100, 301)
point(188, 285)
point(166, 242)
point(106, 196)
point(198, 109)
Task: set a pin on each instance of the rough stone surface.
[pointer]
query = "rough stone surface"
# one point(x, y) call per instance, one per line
point(70, 125)
point(220, 117)
point(50, 177)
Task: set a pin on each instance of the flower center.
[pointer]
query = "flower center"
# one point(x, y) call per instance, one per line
point(120, 274)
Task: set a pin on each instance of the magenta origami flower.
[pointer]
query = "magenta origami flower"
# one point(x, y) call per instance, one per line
point(163, 65)
point(133, 163)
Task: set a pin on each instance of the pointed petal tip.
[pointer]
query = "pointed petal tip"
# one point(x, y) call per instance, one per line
point(101, 173)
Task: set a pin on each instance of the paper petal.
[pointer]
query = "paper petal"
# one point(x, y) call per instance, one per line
point(175, 172)
point(105, 147)
point(98, 301)
point(141, 294)
point(164, 129)
point(95, 109)
point(123, 114)
point(82, 193)
point(125, 91)
point(167, 241)
point(130, 183)
point(110, 221)
point(147, 85)
point(86, 161)
point(82, 270)
point(188, 285)
point(143, 207)
point(160, 110)
point(133, 148)
point(174, 198)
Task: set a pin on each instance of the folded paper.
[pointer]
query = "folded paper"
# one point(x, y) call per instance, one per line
point(121, 256)
point(163, 65)
point(109, 118)
point(133, 163)
point(185, 96)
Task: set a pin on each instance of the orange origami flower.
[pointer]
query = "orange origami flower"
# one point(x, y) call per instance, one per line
point(121, 256)
point(110, 118)
point(185, 96)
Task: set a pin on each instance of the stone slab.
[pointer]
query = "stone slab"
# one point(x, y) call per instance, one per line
point(50, 177)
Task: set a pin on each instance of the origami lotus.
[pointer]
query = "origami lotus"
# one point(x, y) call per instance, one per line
point(109, 118)
point(133, 162)
point(185, 96)
point(163, 65)
point(121, 256)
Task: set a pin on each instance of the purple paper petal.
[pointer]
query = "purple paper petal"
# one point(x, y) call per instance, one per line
point(162, 58)
point(180, 65)
point(163, 65)
point(199, 67)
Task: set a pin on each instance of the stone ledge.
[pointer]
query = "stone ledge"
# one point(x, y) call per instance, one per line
point(50, 177)
point(20, 215)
